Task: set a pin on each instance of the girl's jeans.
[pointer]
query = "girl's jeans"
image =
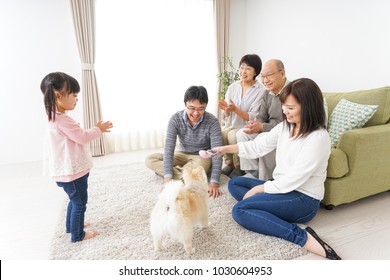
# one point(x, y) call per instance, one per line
point(78, 196)
point(272, 214)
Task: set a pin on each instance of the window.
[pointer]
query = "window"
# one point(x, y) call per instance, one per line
point(147, 54)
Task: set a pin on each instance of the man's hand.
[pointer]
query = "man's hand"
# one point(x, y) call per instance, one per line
point(166, 180)
point(253, 126)
point(214, 190)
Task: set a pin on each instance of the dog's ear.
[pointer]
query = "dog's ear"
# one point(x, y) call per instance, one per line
point(200, 170)
point(186, 169)
point(197, 169)
point(198, 173)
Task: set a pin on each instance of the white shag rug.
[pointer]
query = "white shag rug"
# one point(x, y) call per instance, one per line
point(121, 198)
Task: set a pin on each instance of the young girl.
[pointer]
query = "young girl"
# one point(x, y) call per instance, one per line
point(68, 159)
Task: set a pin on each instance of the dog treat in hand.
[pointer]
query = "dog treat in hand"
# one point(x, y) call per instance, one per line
point(207, 154)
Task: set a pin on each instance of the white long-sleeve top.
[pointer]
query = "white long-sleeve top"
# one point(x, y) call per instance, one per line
point(301, 163)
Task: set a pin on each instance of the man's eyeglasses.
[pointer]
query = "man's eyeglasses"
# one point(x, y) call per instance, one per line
point(193, 109)
point(269, 75)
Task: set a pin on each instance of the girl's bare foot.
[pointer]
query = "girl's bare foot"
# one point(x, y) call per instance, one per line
point(87, 224)
point(90, 234)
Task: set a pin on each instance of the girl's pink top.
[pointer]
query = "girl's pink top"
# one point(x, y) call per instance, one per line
point(67, 157)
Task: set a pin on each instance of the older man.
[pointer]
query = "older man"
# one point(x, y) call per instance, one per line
point(274, 79)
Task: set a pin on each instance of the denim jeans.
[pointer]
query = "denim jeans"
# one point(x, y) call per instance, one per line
point(78, 198)
point(272, 214)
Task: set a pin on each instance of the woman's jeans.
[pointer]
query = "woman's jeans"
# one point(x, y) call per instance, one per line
point(78, 196)
point(272, 214)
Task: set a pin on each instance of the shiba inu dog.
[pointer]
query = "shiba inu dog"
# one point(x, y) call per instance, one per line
point(181, 207)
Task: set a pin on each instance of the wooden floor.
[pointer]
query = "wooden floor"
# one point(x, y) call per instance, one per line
point(30, 206)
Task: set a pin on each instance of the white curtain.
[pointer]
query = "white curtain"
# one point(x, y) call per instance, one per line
point(147, 54)
point(222, 27)
point(83, 12)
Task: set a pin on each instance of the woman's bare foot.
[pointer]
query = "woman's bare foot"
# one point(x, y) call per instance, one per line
point(314, 246)
point(90, 234)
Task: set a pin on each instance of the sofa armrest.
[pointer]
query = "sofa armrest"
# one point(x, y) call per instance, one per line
point(367, 150)
point(337, 164)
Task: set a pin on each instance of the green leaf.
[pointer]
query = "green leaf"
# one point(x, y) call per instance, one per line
point(227, 77)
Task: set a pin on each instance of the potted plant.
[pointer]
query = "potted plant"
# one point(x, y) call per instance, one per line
point(228, 76)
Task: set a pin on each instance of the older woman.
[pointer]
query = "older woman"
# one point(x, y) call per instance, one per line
point(241, 104)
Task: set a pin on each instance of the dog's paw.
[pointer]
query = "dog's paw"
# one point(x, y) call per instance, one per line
point(157, 246)
point(190, 250)
point(205, 225)
point(162, 186)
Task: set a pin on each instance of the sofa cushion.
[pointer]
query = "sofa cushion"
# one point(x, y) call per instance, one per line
point(346, 116)
point(378, 96)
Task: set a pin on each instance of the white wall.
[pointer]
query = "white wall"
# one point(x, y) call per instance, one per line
point(343, 45)
point(238, 32)
point(37, 37)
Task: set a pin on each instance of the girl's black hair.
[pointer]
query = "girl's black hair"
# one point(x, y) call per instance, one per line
point(56, 82)
point(309, 96)
point(196, 93)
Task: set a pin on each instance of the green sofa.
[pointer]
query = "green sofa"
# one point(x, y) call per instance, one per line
point(359, 166)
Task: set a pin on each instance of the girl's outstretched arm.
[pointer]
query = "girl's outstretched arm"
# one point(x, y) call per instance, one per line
point(104, 126)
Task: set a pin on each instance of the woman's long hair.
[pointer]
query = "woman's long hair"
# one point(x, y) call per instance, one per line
point(309, 96)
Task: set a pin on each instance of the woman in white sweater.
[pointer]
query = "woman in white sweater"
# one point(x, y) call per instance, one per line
point(302, 151)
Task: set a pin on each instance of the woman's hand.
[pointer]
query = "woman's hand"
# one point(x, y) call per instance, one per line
point(230, 149)
point(219, 150)
point(255, 190)
point(227, 108)
point(231, 107)
point(222, 104)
